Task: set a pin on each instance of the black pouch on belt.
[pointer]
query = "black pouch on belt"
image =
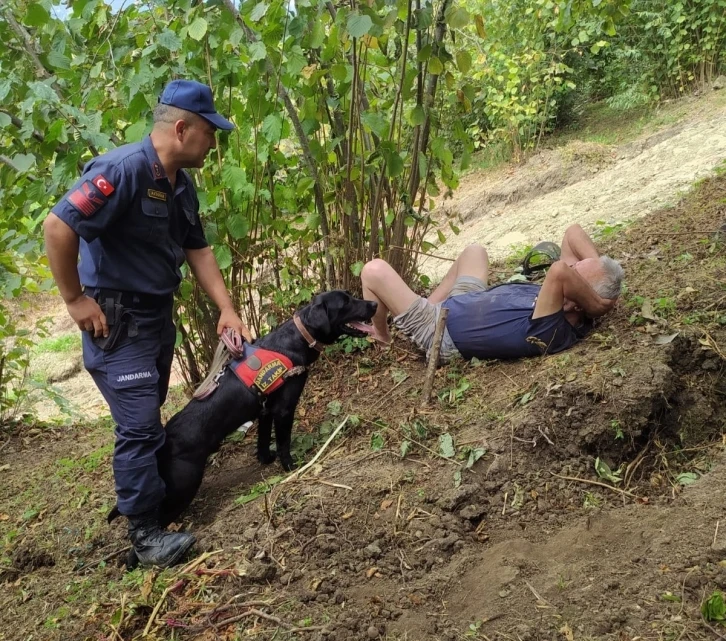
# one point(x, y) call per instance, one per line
point(120, 322)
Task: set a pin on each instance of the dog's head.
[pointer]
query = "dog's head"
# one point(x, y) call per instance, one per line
point(333, 314)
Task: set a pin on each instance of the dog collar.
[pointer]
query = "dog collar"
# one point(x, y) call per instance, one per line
point(306, 335)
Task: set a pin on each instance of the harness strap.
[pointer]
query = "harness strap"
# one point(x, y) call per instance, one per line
point(236, 360)
point(307, 336)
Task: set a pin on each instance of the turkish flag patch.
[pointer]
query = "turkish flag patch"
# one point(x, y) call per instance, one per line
point(103, 185)
point(88, 198)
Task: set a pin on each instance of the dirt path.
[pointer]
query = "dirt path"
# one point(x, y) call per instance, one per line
point(583, 183)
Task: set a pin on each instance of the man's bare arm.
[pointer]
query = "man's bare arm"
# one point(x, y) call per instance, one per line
point(577, 246)
point(206, 270)
point(564, 283)
point(61, 246)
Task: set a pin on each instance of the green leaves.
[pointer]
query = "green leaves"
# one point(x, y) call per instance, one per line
point(135, 132)
point(23, 162)
point(198, 29)
point(359, 25)
point(375, 122)
point(456, 17)
point(463, 61)
point(169, 40)
point(238, 226)
point(714, 608)
point(259, 11)
point(416, 116)
point(446, 445)
point(257, 51)
point(272, 128)
point(35, 15)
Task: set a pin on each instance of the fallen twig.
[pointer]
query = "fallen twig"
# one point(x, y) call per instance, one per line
point(715, 534)
point(598, 483)
point(389, 392)
point(157, 607)
point(108, 557)
point(200, 559)
point(340, 485)
point(297, 473)
point(258, 613)
point(537, 595)
point(716, 632)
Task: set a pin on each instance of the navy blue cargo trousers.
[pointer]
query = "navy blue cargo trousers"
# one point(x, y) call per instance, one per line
point(133, 377)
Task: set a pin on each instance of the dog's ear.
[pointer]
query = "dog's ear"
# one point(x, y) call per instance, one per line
point(316, 318)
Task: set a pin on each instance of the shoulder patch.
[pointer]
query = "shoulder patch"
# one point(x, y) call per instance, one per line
point(157, 195)
point(88, 198)
point(105, 187)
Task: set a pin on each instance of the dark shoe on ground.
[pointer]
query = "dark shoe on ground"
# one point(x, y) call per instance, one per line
point(154, 545)
point(540, 257)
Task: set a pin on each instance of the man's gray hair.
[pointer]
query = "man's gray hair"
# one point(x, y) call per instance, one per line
point(610, 284)
point(170, 114)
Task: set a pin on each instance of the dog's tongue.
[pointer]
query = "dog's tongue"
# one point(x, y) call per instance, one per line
point(362, 327)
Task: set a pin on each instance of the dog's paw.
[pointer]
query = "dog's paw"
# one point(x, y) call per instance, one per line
point(287, 463)
point(266, 457)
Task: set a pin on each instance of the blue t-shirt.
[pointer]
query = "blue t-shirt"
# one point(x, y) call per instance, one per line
point(497, 323)
point(133, 227)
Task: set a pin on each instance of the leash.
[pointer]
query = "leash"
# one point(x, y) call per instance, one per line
point(232, 347)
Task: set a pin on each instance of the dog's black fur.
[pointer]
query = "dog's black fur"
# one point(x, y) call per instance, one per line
point(199, 428)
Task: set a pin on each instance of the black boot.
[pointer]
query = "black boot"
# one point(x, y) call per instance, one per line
point(155, 546)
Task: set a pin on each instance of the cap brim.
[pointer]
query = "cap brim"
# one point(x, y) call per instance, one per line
point(218, 121)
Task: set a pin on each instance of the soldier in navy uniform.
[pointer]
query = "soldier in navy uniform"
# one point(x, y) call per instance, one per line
point(134, 217)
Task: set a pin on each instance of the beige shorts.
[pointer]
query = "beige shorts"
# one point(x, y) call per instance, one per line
point(418, 322)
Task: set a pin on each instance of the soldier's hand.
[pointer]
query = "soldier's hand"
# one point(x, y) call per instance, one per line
point(228, 318)
point(87, 314)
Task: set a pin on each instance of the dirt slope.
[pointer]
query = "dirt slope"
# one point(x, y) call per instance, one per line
point(582, 183)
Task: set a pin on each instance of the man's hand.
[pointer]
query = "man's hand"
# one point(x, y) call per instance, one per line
point(228, 318)
point(564, 288)
point(87, 314)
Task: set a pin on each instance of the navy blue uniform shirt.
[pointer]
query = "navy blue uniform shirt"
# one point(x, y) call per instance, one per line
point(133, 227)
point(498, 323)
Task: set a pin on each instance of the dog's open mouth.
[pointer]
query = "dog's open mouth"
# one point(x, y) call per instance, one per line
point(357, 329)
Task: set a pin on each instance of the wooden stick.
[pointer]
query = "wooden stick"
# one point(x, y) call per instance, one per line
point(340, 485)
point(589, 482)
point(157, 607)
point(308, 465)
point(108, 557)
point(434, 356)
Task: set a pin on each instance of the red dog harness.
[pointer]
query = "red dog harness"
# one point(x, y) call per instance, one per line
point(262, 370)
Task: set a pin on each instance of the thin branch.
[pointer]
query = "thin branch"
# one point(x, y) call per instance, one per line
point(598, 483)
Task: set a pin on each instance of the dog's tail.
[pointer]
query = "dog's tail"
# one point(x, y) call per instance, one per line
point(113, 514)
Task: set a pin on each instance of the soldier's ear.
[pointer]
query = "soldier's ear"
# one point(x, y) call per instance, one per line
point(180, 128)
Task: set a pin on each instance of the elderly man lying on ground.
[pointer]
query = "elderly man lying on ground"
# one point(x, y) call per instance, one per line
point(505, 321)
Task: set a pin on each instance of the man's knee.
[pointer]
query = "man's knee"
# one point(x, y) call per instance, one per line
point(475, 251)
point(375, 271)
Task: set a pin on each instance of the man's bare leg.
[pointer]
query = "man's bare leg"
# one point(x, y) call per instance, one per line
point(382, 284)
point(473, 261)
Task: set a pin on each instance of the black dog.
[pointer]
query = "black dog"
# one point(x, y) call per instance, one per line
point(199, 429)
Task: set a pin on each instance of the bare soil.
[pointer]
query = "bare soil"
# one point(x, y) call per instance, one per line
point(528, 542)
point(582, 182)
